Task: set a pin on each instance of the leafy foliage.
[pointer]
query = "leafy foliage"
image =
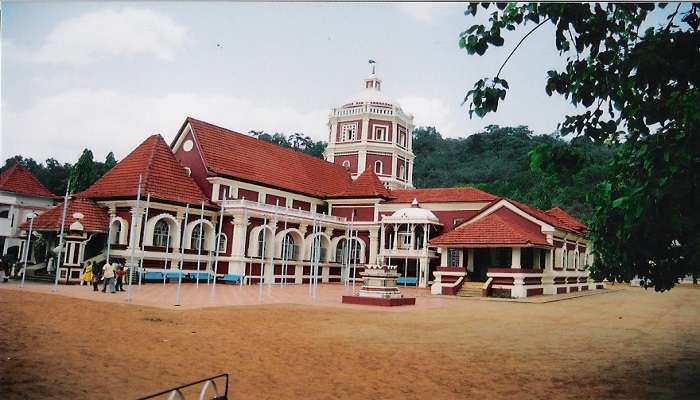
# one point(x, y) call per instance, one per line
point(295, 141)
point(541, 170)
point(54, 175)
point(639, 89)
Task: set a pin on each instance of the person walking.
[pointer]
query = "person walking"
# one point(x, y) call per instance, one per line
point(120, 279)
point(86, 277)
point(96, 276)
point(108, 276)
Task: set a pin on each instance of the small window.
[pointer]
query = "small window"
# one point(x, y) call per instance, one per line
point(221, 243)
point(402, 172)
point(457, 221)
point(346, 164)
point(188, 171)
point(161, 234)
point(4, 213)
point(378, 167)
point(348, 132)
point(379, 133)
point(453, 258)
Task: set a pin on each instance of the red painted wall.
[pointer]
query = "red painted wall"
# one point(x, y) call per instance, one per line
point(514, 218)
point(248, 194)
point(379, 122)
point(359, 130)
point(296, 204)
point(365, 212)
point(384, 158)
point(271, 199)
point(193, 160)
point(347, 157)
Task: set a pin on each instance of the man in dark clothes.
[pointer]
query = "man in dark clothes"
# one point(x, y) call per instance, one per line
point(96, 276)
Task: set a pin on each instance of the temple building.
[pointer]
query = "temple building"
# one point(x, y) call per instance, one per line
point(226, 203)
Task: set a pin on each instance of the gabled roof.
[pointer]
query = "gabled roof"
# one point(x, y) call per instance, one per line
point(235, 155)
point(162, 176)
point(567, 220)
point(367, 185)
point(550, 219)
point(490, 231)
point(18, 179)
point(441, 195)
point(95, 218)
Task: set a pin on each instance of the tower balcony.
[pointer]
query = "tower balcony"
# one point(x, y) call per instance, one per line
point(375, 110)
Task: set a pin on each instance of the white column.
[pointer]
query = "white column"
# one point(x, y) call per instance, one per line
point(470, 260)
point(373, 243)
point(412, 227)
point(536, 258)
point(515, 257)
point(382, 234)
point(396, 237)
point(423, 274)
point(443, 256)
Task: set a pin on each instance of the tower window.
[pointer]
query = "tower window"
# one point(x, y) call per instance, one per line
point(378, 167)
point(348, 132)
point(402, 172)
point(380, 133)
point(402, 139)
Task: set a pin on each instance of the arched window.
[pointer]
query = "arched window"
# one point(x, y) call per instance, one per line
point(116, 232)
point(290, 251)
point(342, 250)
point(262, 242)
point(197, 240)
point(161, 234)
point(221, 243)
point(346, 164)
point(378, 167)
point(402, 172)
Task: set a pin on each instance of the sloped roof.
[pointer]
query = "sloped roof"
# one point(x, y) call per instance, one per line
point(162, 176)
point(490, 231)
point(367, 185)
point(441, 195)
point(566, 219)
point(95, 217)
point(551, 219)
point(240, 156)
point(18, 179)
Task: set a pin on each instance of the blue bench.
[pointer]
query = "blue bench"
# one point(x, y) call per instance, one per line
point(174, 276)
point(231, 278)
point(153, 277)
point(407, 280)
point(203, 276)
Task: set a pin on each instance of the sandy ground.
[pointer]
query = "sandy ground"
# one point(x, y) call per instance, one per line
point(625, 344)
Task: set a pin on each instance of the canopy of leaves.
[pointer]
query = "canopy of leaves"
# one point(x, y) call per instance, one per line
point(544, 171)
point(638, 82)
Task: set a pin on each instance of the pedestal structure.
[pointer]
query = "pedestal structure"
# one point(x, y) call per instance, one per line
point(379, 288)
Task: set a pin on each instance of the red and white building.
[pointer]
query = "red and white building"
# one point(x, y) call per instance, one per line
point(361, 200)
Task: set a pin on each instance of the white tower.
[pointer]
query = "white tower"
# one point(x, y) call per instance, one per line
point(371, 130)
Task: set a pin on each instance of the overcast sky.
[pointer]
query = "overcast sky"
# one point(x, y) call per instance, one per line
point(106, 75)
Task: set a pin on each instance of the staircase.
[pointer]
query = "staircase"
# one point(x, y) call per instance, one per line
point(470, 289)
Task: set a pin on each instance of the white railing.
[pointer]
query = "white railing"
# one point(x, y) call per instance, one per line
point(281, 211)
point(369, 109)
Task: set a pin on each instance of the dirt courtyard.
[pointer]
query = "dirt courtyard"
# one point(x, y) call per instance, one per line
point(625, 344)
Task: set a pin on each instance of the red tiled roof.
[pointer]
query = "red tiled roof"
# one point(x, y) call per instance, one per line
point(366, 185)
point(441, 195)
point(567, 220)
point(491, 230)
point(240, 156)
point(18, 179)
point(162, 176)
point(95, 218)
point(546, 217)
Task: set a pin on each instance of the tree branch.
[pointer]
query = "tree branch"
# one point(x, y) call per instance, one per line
point(670, 19)
point(518, 45)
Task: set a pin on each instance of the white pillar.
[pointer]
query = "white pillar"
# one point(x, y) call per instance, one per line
point(373, 243)
point(536, 258)
point(423, 274)
point(396, 237)
point(515, 257)
point(443, 256)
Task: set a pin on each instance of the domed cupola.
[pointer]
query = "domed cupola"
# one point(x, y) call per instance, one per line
point(372, 130)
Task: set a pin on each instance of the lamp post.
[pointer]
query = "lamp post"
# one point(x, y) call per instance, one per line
point(31, 217)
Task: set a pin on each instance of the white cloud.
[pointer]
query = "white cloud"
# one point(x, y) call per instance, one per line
point(427, 12)
point(430, 111)
point(61, 125)
point(104, 34)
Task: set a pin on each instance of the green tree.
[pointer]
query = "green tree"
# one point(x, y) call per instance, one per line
point(110, 161)
point(83, 174)
point(638, 81)
point(295, 141)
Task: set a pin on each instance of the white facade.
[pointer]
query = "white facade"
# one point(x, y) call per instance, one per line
point(14, 209)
